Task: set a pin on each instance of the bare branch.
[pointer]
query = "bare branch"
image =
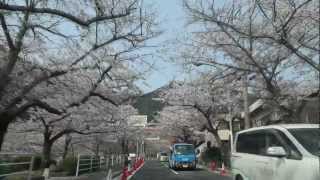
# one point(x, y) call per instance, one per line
point(35, 103)
point(46, 76)
point(6, 31)
point(49, 11)
point(104, 98)
point(74, 131)
point(93, 88)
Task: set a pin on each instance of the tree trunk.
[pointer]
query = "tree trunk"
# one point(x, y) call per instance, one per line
point(217, 138)
point(223, 149)
point(97, 148)
point(66, 146)
point(46, 153)
point(124, 146)
point(5, 73)
point(4, 124)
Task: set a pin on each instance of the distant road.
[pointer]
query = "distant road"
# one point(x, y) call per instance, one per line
point(154, 170)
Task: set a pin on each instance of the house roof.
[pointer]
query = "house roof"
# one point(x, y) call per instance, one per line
point(314, 94)
point(256, 105)
point(280, 126)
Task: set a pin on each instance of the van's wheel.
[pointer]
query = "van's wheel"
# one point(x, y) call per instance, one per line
point(239, 177)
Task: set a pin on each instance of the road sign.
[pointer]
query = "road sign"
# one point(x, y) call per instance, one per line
point(153, 138)
point(138, 121)
point(224, 134)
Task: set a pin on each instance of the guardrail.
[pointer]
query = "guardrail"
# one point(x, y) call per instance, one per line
point(92, 163)
point(5, 163)
point(151, 156)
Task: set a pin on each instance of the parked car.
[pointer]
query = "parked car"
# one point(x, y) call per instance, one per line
point(182, 156)
point(278, 152)
point(163, 156)
point(132, 157)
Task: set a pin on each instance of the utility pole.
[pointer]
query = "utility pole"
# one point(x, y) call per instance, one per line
point(229, 119)
point(142, 148)
point(231, 133)
point(247, 122)
point(137, 145)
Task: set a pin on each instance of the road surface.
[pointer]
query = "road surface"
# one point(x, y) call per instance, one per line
point(154, 170)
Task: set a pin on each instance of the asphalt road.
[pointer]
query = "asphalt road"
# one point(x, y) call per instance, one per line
point(154, 170)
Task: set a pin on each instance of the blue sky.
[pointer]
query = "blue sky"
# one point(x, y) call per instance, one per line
point(172, 21)
point(172, 18)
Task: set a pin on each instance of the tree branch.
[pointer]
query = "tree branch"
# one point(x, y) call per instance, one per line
point(6, 31)
point(70, 131)
point(104, 98)
point(35, 103)
point(59, 119)
point(92, 90)
point(46, 76)
point(48, 30)
point(77, 20)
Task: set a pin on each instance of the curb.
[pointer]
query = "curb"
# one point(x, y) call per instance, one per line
point(133, 173)
point(118, 177)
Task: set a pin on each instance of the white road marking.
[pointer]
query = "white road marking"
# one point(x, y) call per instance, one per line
point(175, 172)
point(166, 165)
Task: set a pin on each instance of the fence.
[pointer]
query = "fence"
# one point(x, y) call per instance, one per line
point(16, 164)
point(91, 163)
point(151, 156)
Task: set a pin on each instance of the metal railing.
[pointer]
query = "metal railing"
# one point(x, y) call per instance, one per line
point(92, 163)
point(6, 164)
point(151, 156)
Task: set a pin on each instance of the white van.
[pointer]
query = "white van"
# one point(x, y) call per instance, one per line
point(278, 152)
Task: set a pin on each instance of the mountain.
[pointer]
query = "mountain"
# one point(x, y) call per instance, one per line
point(149, 104)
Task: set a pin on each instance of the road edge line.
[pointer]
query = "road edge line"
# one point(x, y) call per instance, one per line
point(175, 172)
point(135, 172)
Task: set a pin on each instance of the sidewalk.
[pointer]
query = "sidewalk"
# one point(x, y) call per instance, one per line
point(92, 176)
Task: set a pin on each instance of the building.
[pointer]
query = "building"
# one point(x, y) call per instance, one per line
point(302, 110)
point(309, 108)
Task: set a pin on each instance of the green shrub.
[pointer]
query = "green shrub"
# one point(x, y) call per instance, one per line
point(37, 162)
point(4, 169)
point(21, 167)
point(69, 165)
point(23, 177)
point(212, 154)
point(14, 168)
point(15, 178)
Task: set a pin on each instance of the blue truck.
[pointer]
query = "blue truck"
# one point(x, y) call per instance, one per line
point(182, 155)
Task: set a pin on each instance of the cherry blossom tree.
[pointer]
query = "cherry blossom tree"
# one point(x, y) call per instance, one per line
point(97, 115)
point(43, 40)
point(180, 122)
point(203, 98)
point(259, 41)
